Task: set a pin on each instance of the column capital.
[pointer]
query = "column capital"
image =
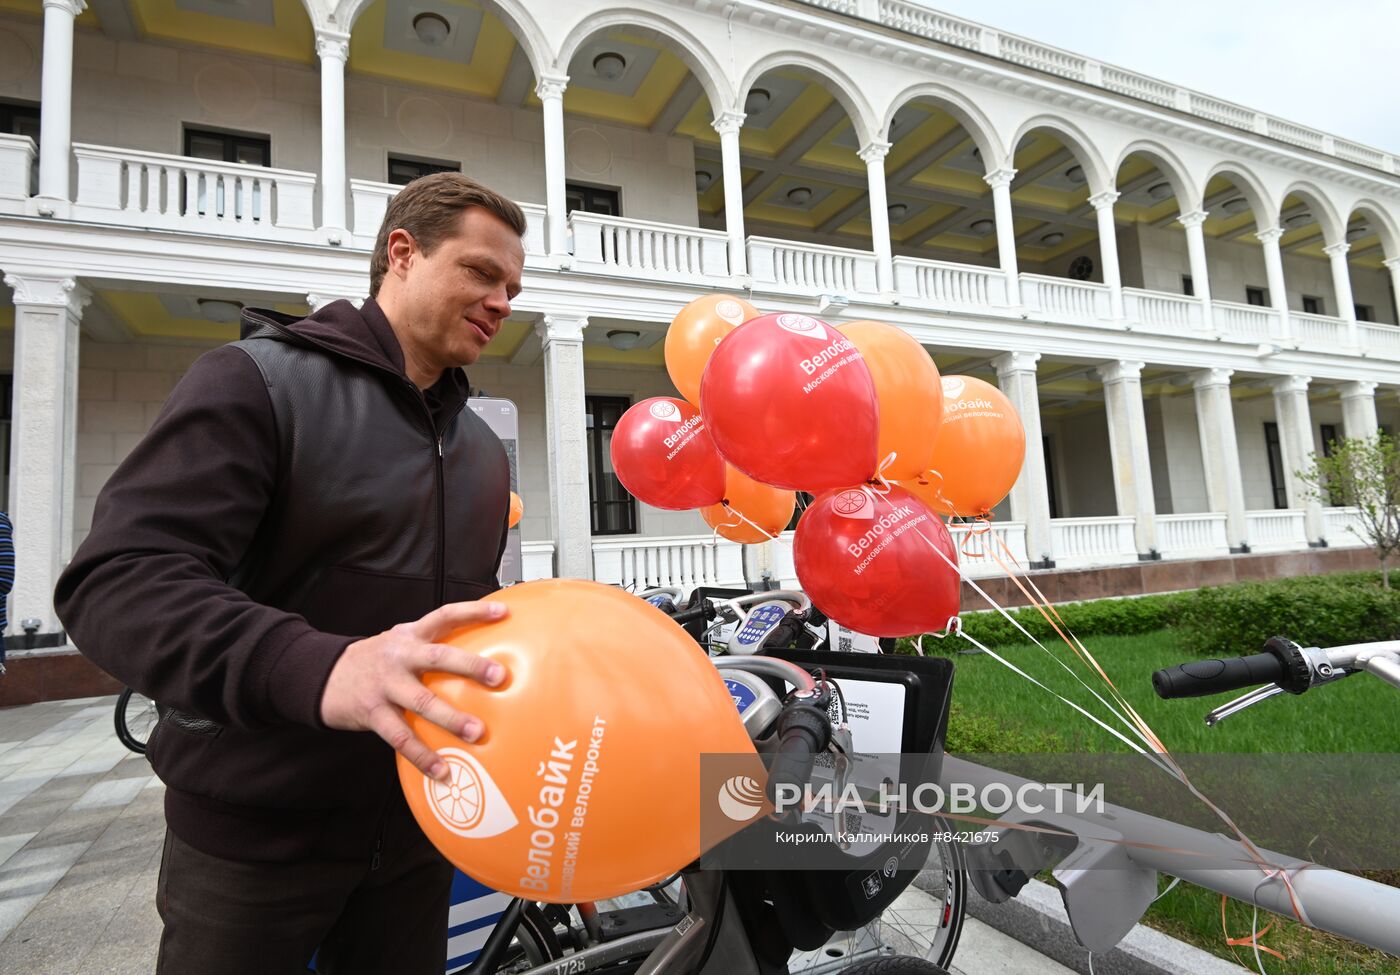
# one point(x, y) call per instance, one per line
point(1013, 362)
point(1206, 378)
point(1339, 249)
point(874, 151)
point(998, 178)
point(49, 290)
point(1269, 235)
point(1361, 389)
point(1193, 219)
point(332, 45)
point(1104, 200)
point(561, 328)
point(71, 7)
point(1391, 262)
point(551, 86)
point(728, 123)
point(1121, 371)
point(1290, 384)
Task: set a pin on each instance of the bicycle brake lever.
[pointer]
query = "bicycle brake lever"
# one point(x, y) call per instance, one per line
point(1242, 702)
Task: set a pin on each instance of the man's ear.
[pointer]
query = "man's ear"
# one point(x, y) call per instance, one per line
point(401, 250)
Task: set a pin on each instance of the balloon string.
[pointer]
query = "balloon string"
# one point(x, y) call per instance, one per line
point(743, 520)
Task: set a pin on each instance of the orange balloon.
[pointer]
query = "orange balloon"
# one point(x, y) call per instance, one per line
point(979, 451)
point(767, 507)
point(693, 335)
point(517, 510)
point(589, 745)
point(909, 393)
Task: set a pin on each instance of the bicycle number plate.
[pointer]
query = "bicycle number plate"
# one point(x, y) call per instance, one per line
point(760, 622)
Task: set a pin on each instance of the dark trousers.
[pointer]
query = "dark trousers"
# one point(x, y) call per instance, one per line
point(375, 917)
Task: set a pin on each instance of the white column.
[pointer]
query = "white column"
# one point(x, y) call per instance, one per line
point(1341, 287)
point(1220, 453)
point(43, 439)
point(1296, 446)
point(1196, 254)
point(873, 155)
point(550, 90)
point(1108, 249)
point(1394, 265)
point(1359, 418)
point(727, 124)
point(1273, 268)
point(333, 48)
point(1030, 495)
point(1000, 182)
point(56, 106)
point(566, 431)
point(1127, 441)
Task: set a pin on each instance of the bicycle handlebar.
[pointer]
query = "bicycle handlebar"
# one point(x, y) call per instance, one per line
point(1202, 677)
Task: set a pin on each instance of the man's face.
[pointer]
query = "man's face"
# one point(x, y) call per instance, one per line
point(458, 296)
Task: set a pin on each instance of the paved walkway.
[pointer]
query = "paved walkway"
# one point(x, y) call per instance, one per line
point(81, 827)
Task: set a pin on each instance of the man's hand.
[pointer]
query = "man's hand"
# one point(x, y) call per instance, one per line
point(377, 677)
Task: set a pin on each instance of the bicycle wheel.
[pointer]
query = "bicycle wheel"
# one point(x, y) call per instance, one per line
point(896, 965)
point(924, 922)
point(135, 718)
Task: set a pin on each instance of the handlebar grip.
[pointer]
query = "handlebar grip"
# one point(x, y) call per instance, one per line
point(705, 610)
point(802, 732)
point(1202, 677)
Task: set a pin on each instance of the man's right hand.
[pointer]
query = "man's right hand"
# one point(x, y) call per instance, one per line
point(378, 677)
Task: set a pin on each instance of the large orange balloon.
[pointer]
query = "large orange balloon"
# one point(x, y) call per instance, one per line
point(693, 335)
point(980, 448)
point(766, 510)
point(908, 390)
point(517, 510)
point(586, 784)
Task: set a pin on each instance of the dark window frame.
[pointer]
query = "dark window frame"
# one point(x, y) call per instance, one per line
point(591, 198)
point(1049, 447)
point(1313, 305)
point(1364, 313)
point(13, 109)
point(232, 142)
point(605, 492)
point(425, 165)
point(1188, 286)
point(1274, 448)
point(1251, 292)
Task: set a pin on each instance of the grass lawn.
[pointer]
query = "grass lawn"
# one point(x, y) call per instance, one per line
point(996, 710)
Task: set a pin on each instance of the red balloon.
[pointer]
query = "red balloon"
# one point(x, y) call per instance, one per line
point(790, 402)
point(663, 455)
point(871, 562)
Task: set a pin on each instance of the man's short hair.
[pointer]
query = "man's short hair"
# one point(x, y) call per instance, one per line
point(430, 208)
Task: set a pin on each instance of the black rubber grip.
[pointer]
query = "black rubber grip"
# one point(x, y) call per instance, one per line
point(1202, 677)
point(704, 610)
point(802, 732)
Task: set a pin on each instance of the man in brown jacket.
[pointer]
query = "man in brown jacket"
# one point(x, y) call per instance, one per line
point(273, 563)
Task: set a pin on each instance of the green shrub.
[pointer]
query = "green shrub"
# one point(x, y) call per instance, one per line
point(1314, 611)
point(972, 732)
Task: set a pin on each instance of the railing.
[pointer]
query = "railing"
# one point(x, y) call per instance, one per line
point(673, 560)
point(1177, 314)
point(1323, 330)
point(17, 167)
point(1354, 152)
point(641, 249)
point(536, 560)
point(978, 551)
point(1139, 86)
point(1218, 111)
point(150, 189)
point(914, 19)
point(1296, 134)
point(369, 200)
point(1059, 299)
point(1192, 535)
point(949, 285)
point(1276, 531)
point(1380, 338)
point(812, 269)
point(839, 6)
point(1042, 58)
point(1245, 323)
point(1343, 527)
point(1079, 542)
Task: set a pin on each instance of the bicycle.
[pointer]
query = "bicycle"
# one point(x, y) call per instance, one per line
point(135, 717)
point(917, 930)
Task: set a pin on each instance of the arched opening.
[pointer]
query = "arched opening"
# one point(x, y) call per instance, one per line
point(1236, 213)
point(1056, 225)
point(1372, 241)
point(1309, 229)
point(1153, 250)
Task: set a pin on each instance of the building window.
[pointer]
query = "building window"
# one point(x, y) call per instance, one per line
point(229, 147)
point(20, 118)
point(1329, 440)
point(1049, 449)
point(614, 511)
point(1365, 313)
point(404, 170)
point(1312, 305)
point(1271, 444)
point(7, 392)
point(1188, 286)
point(593, 199)
point(1255, 296)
